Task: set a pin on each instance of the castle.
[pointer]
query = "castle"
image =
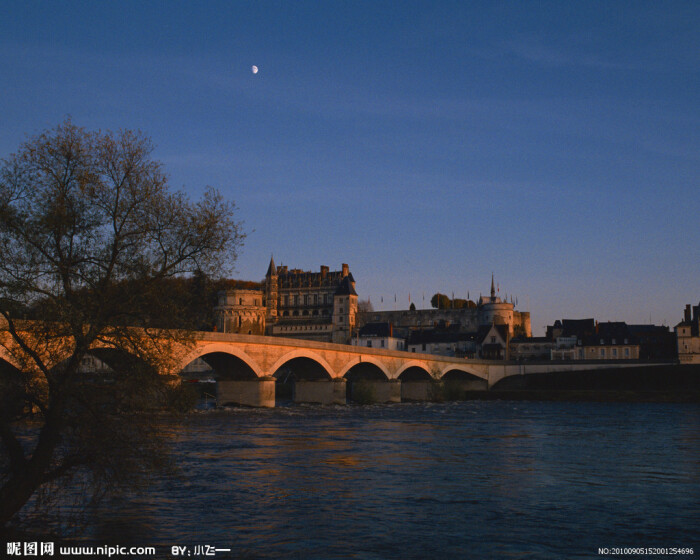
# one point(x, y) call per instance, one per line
point(490, 310)
point(293, 303)
point(322, 306)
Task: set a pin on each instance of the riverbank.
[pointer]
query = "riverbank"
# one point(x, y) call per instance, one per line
point(582, 395)
point(663, 383)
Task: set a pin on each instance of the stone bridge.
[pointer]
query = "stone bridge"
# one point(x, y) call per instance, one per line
point(247, 369)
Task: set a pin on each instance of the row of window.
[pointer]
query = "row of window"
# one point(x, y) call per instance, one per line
point(382, 344)
point(307, 299)
point(603, 353)
point(305, 313)
point(305, 328)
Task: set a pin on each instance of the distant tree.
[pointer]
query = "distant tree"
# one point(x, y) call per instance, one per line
point(440, 301)
point(91, 238)
point(364, 305)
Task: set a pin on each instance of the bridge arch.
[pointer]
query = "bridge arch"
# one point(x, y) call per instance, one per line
point(460, 379)
point(414, 373)
point(412, 364)
point(365, 360)
point(457, 370)
point(220, 349)
point(108, 360)
point(302, 353)
point(8, 360)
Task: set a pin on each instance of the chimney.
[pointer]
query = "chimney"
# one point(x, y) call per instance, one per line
point(687, 313)
point(324, 271)
point(346, 270)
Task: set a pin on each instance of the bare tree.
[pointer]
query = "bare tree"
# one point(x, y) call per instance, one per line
point(89, 231)
point(365, 306)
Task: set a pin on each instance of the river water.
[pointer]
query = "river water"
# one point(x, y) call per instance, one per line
point(477, 479)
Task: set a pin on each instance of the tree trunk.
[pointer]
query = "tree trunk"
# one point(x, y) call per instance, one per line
point(21, 486)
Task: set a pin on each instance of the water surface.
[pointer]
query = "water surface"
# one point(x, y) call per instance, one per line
point(479, 479)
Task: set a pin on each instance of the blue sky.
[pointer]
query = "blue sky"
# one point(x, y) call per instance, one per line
point(426, 144)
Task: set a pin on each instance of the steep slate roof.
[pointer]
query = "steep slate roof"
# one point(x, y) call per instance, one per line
point(272, 269)
point(530, 340)
point(428, 336)
point(346, 288)
point(376, 329)
point(484, 331)
point(578, 327)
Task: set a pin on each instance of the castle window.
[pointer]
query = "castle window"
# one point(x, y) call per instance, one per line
point(614, 352)
point(627, 352)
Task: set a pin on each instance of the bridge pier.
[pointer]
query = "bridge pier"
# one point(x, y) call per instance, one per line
point(375, 391)
point(258, 392)
point(320, 391)
point(420, 390)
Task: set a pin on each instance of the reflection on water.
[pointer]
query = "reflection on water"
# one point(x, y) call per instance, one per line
point(453, 480)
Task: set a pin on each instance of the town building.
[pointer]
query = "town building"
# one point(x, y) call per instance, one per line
point(531, 348)
point(688, 336)
point(444, 342)
point(493, 342)
point(586, 339)
point(379, 335)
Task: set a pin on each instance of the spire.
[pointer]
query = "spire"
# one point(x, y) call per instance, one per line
point(493, 289)
point(272, 269)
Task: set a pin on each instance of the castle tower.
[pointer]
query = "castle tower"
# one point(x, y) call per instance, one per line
point(344, 308)
point(271, 292)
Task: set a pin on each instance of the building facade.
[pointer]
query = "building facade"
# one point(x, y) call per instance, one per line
point(688, 336)
point(241, 311)
point(293, 303)
point(378, 335)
